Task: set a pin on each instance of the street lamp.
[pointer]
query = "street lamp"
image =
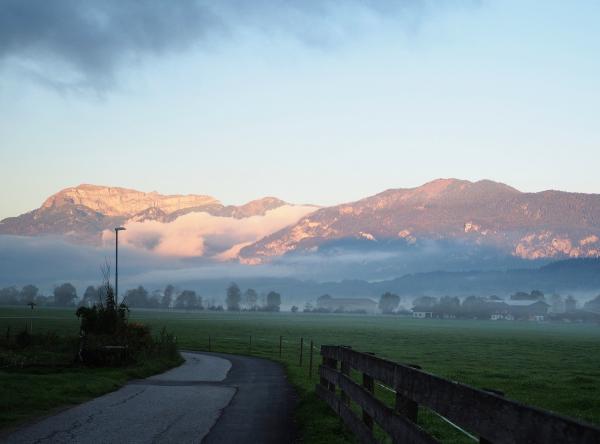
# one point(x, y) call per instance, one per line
point(117, 229)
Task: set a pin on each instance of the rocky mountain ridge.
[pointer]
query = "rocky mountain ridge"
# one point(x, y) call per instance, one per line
point(83, 212)
point(474, 218)
point(548, 224)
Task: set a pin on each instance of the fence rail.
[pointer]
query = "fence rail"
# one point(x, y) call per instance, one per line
point(485, 414)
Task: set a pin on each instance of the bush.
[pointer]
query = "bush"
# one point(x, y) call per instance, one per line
point(23, 339)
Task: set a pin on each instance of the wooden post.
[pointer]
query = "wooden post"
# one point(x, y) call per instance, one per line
point(323, 381)
point(301, 347)
point(310, 360)
point(280, 342)
point(345, 369)
point(209, 343)
point(405, 406)
point(369, 385)
point(482, 440)
point(332, 363)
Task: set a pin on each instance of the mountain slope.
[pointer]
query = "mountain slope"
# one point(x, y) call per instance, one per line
point(173, 224)
point(485, 213)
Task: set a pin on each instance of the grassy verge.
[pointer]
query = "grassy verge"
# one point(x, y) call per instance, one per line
point(552, 366)
point(38, 373)
point(30, 392)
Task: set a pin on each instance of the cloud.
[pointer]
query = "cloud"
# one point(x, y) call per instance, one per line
point(82, 44)
point(202, 234)
point(50, 260)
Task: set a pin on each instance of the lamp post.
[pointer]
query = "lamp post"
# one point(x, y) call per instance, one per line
point(117, 229)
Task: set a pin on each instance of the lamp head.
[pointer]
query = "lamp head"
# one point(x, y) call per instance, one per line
point(120, 228)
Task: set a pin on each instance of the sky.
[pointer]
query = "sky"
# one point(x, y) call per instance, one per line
point(317, 102)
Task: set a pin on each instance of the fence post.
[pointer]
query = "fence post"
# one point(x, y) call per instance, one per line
point(209, 348)
point(345, 369)
point(301, 346)
point(310, 360)
point(332, 363)
point(406, 406)
point(482, 440)
point(324, 361)
point(280, 341)
point(369, 385)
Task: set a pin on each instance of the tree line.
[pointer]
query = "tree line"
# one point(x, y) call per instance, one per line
point(235, 300)
point(65, 295)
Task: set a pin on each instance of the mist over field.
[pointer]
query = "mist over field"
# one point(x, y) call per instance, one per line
point(49, 261)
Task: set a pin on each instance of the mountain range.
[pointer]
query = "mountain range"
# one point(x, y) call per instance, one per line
point(448, 219)
point(549, 224)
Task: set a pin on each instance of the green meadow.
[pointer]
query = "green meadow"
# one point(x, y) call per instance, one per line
point(552, 366)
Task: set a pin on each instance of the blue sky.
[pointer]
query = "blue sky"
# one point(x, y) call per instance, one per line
point(323, 103)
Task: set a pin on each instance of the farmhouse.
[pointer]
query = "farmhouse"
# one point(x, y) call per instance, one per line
point(422, 312)
point(529, 310)
point(523, 310)
point(348, 305)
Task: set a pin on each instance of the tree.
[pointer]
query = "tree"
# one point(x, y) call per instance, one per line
point(155, 299)
point(251, 298)
point(273, 301)
point(537, 295)
point(478, 307)
point(65, 295)
point(188, 300)
point(28, 294)
point(425, 302)
point(294, 309)
point(520, 296)
point(167, 298)
point(448, 305)
point(322, 298)
point(591, 305)
point(571, 304)
point(40, 299)
point(9, 296)
point(137, 297)
point(388, 302)
point(90, 297)
point(234, 297)
point(557, 304)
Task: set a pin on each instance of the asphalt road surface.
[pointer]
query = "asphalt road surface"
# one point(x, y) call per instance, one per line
point(211, 398)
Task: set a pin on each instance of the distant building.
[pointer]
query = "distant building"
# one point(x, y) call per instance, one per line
point(422, 312)
point(528, 310)
point(522, 309)
point(347, 305)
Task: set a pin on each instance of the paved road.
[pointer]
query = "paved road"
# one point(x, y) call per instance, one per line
point(211, 398)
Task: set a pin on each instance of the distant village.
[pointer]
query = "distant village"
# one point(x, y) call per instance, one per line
point(533, 306)
point(520, 306)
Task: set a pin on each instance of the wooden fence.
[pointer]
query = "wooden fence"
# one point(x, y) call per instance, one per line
point(484, 414)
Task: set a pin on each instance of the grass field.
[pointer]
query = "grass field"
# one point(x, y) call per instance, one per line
point(553, 366)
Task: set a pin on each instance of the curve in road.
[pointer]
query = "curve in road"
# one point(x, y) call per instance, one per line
point(211, 398)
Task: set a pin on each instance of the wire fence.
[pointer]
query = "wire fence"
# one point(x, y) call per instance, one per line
point(301, 351)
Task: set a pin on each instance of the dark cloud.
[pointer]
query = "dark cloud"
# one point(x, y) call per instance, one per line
point(81, 44)
point(86, 41)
